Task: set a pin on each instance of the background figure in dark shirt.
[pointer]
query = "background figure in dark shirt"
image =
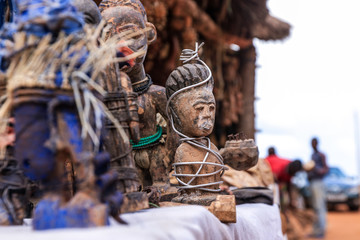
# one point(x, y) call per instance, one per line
point(317, 188)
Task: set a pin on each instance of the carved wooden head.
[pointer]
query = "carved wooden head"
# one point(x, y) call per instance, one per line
point(193, 110)
point(89, 9)
point(124, 15)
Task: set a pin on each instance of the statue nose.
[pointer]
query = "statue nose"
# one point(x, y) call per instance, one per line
point(206, 112)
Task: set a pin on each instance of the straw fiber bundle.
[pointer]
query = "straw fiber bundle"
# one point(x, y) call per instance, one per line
point(68, 63)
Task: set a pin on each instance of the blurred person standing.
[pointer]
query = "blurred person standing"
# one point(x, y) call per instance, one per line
point(317, 188)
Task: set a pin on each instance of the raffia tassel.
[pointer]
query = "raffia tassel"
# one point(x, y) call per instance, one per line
point(5, 114)
point(19, 40)
point(37, 61)
point(4, 119)
point(37, 65)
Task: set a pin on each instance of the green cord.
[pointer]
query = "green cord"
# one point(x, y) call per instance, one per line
point(148, 140)
point(153, 205)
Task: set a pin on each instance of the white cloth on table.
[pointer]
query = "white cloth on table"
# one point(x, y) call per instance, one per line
point(254, 222)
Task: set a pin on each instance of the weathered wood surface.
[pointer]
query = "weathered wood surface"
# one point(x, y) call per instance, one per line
point(121, 101)
point(152, 160)
point(224, 208)
point(240, 154)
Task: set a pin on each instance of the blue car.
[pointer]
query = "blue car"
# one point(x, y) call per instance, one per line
point(340, 189)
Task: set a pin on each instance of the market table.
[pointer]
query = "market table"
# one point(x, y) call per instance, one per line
point(254, 222)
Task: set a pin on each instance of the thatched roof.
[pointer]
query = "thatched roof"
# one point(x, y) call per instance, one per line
point(243, 18)
point(250, 19)
point(218, 23)
point(271, 29)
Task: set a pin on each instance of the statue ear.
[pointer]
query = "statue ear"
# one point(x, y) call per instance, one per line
point(151, 34)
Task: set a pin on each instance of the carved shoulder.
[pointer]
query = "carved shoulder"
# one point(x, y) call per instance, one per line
point(183, 152)
point(158, 97)
point(213, 147)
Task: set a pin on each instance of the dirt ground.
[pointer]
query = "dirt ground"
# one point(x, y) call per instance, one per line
point(343, 224)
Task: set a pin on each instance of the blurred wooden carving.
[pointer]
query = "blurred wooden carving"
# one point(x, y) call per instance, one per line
point(150, 153)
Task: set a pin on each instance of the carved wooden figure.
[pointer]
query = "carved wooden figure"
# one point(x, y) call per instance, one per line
point(151, 156)
point(122, 102)
point(16, 190)
point(198, 164)
point(191, 105)
point(51, 69)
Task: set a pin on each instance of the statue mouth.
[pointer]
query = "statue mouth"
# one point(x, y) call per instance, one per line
point(125, 67)
point(206, 125)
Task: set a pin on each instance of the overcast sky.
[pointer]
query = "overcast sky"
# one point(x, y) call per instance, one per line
point(309, 84)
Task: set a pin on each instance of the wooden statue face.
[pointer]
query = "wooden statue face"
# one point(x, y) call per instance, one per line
point(125, 18)
point(195, 109)
point(129, 19)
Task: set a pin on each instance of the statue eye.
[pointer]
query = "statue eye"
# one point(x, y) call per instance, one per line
point(199, 108)
point(137, 36)
point(212, 107)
